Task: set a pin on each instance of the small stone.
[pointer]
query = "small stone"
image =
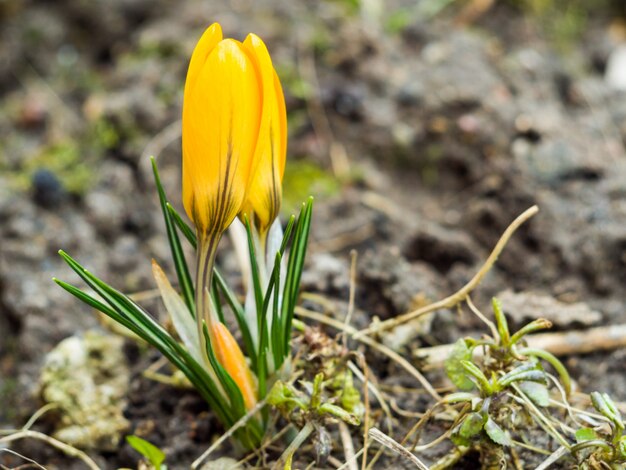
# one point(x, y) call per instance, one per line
point(47, 189)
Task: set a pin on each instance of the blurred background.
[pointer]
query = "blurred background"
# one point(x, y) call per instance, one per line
point(421, 127)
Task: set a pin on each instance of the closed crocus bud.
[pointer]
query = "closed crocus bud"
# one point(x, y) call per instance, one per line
point(265, 190)
point(222, 113)
point(231, 358)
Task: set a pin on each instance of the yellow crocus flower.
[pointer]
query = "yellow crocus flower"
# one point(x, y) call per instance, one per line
point(222, 110)
point(234, 146)
point(265, 191)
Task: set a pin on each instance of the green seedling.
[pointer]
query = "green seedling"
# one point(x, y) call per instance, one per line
point(316, 405)
point(502, 390)
point(152, 453)
point(602, 446)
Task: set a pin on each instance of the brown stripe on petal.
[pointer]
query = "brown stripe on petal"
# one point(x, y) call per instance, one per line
point(226, 191)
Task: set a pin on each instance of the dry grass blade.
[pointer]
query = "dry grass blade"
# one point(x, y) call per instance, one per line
point(462, 293)
point(348, 446)
point(17, 454)
point(62, 446)
point(388, 442)
point(556, 455)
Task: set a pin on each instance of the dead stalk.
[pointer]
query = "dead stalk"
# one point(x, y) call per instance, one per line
point(388, 442)
point(348, 446)
point(62, 446)
point(462, 293)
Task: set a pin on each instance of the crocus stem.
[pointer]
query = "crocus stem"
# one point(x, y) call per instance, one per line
point(206, 251)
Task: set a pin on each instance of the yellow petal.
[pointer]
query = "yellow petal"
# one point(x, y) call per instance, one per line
point(229, 355)
point(221, 117)
point(209, 39)
point(265, 192)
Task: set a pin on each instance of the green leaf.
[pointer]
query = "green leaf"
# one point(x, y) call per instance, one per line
point(599, 402)
point(125, 311)
point(585, 434)
point(338, 412)
point(472, 425)
point(501, 323)
point(527, 371)
point(285, 397)
point(185, 229)
point(537, 392)
point(535, 325)
point(294, 270)
point(478, 377)
point(454, 368)
point(621, 446)
point(182, 270)
point(459, 397)
point(152, 453)
point(617, 416)
point(496, 433)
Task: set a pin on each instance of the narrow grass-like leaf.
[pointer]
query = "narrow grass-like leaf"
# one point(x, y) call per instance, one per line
point(184, 228)
point(152, 453)
point(294, 269)
point(89, 300)
point(277, 344)
point(141, 323)
point(182, 270)
point(287, 235)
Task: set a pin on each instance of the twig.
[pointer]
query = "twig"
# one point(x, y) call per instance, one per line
point(243, 420)
point(294, 445)
point(541, 418)
point(366, 420)
point(462, 293)
point(388, 442)
point(62, 446)
point(491, 325)
point(450, 458)
point(348, 463)
point(36, 464)
point(560, 452)
point(348, 446)
point(353, 257)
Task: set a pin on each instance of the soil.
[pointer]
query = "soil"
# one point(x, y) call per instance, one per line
point(426, 137)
